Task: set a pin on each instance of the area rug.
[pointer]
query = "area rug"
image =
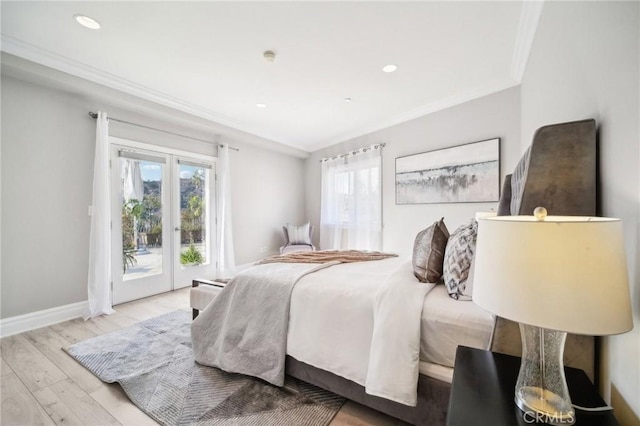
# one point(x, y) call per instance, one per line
point(153, 362)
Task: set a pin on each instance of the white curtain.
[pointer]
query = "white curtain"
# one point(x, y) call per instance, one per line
point(226, 258)
point(99, 282)
point(351, 210)
point(133, 186)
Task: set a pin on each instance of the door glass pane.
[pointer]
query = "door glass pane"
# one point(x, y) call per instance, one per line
point(141, 196)
point(194, 190)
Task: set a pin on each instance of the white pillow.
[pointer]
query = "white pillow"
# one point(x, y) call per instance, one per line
point(299, 234)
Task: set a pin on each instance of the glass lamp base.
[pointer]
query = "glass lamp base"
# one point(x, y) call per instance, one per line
point(543, 405)
point(541, 389)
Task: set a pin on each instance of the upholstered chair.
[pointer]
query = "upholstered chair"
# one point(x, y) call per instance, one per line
point(289, 247)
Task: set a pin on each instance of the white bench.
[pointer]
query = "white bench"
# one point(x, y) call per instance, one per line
point(202, 293)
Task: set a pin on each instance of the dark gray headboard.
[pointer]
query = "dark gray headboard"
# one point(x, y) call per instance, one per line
point(558, 172)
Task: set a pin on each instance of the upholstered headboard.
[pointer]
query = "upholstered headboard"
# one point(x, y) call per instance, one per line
point(558, 172)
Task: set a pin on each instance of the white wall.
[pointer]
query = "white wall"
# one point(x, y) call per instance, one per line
point(46, 188)
point(584, 64)
point(268, 192)
point(47, 166)
point(496, 115)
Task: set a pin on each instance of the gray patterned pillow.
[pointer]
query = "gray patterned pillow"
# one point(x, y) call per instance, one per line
point(428, 252)
point(457, 259)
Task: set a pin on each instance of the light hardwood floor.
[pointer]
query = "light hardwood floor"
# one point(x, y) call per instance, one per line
point(42, 385)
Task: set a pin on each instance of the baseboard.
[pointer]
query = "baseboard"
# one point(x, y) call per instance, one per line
point(31, 321)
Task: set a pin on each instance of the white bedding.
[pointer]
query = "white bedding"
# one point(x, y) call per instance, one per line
point(331, 317)
point(449, 323)
point(394, 356)
point(331, 320)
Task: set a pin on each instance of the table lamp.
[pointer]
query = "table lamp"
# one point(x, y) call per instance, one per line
point(553, 275)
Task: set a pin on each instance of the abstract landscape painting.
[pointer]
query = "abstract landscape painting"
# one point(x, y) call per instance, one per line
point(461, 174)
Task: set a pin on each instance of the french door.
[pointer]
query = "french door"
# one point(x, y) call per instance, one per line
point(163, 219)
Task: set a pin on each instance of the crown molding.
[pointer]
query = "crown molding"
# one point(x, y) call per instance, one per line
point(429, 108)
point(529, 19)
point(527, 27)
point(530, 16)
point(49, 59)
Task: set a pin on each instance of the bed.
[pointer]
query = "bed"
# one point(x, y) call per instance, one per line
point(331, 313)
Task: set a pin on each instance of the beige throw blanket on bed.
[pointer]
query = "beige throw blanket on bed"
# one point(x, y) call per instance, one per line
point(342, 256)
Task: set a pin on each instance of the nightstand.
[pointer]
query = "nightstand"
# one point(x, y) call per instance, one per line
point(482, 392)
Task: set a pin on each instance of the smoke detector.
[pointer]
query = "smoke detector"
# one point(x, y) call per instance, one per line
point(269, 56)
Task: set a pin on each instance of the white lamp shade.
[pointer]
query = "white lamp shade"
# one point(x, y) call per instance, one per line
point(565, 273)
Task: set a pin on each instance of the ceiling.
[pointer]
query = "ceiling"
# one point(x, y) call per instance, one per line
point(206, 58)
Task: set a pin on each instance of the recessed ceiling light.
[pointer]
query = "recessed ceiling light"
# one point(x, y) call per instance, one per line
point(261, 105)
point(87, 22)
point(347, 99)
point(389, 68)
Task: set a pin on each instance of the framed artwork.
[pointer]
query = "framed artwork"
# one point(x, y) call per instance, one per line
point(467, 173)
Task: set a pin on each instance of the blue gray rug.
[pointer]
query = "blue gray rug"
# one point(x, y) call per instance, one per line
point(153, 362)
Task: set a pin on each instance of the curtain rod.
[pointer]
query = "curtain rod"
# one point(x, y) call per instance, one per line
point(355, 151)
point(94, 116)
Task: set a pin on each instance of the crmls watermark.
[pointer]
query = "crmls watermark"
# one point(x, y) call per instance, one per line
point(531, 417)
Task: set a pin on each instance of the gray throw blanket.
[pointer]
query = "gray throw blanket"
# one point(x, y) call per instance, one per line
point(244, 329)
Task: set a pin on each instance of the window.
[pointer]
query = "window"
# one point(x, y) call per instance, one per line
point(351, 212)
